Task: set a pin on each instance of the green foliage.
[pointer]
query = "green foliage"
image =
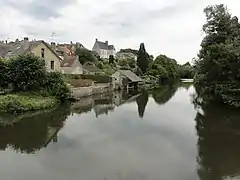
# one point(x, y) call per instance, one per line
point(3, 74)
point(131, 62)
point(186, 71)
point(218, 67)
point(133, 51)
point(55, 86)
point(143, 58)
point(19, 103)
point(26, 72)
point(164, 68)
point(123, 62)
point(85, 55)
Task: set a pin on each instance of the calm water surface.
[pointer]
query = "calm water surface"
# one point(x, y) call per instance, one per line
point(158, 135)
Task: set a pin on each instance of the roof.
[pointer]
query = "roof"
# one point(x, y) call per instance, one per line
point(91, 67)
point(4, 48)
point(130, 75)
point(105, 46)
point(18, 48)
point(69, 61)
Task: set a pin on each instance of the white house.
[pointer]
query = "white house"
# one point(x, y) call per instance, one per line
point(103, 49)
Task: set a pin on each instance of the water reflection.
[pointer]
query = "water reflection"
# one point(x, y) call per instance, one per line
point(218, 130)
point(163, 94)
point(30, 132)
point(142, 101)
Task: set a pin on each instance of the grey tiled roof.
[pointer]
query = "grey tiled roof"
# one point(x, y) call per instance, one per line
point(17, 48)
point(103, 45)
point(130, 75)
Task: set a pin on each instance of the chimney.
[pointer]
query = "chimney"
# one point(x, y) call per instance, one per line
point(96, 39)
point(53, 45)
point(26, 43)
point(6, 41)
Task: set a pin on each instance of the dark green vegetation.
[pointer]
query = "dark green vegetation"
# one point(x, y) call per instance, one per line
point(30, 86)
point(218, 67)
point(85, 55)
point(164, 68)
point(187, 71)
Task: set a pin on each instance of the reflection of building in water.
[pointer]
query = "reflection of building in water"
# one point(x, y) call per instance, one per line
point(103, 103)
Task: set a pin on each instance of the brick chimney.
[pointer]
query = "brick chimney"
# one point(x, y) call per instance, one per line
point(25, 43)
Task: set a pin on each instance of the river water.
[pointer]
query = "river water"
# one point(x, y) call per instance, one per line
point(157, 135)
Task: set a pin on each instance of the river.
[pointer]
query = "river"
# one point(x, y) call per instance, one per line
point(157, 135)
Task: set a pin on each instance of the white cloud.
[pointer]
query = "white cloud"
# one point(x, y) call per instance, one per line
point(171, 27)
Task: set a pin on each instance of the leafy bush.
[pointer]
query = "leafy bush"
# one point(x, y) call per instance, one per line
point(26, 72)
point(55, 86)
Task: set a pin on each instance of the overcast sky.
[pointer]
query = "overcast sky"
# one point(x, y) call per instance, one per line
point(171, 27)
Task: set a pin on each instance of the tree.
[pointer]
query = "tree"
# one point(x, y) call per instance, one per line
point(143, 58)
point(131, 62)
point(164, 68)
point(3, 74)
point(85, 55)
point(111, 59)
point(218, 67)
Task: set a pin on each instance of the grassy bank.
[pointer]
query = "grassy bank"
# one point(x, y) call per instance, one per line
point(19, 103)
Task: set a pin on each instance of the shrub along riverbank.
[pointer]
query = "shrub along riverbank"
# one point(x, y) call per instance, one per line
point(27, 86)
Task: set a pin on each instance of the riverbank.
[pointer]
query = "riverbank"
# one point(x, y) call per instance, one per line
point(22, 102)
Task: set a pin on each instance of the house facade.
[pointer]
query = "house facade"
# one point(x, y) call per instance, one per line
point(38, 48)
point(103, 49)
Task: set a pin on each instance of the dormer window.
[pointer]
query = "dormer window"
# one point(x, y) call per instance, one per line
point(43, 53)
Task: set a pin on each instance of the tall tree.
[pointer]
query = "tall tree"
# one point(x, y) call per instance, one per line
point(143, 58)
point(218, 66)
point(111, 59)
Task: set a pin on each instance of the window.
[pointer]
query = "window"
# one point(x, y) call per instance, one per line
point(43, 53)
point(52, 65)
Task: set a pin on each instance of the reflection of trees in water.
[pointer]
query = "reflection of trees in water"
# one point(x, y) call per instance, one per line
point(32, 132)
point(163, 94)
point(142, 101)
point(185, 85)
point(218, 143)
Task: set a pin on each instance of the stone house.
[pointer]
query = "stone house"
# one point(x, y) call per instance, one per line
point(71, 65)
point(103, 49)
point(38, 48)
point(125, 79)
